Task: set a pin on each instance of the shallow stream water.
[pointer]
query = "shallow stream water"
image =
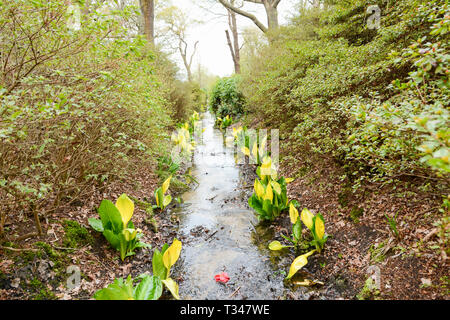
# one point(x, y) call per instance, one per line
point(222, 230)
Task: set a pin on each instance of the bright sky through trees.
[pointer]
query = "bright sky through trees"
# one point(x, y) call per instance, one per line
point(213, 53)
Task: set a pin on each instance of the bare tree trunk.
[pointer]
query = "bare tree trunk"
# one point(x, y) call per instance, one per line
point(234, 46)
point(148, 12)
point(182, 47)
point(272, 16)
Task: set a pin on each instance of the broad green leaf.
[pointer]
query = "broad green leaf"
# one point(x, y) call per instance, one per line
point(167, 200)
point(297, 230)
point(293, 213)
point(150, 288)
point(125, 207)
point(267, 209)
point(159, 269)
point(123, 247)
point(118, 290)
point(172, 286)
point(307, 218)
point(299, 263)
point(110, 216)
point(96, 224)
point(112, 238)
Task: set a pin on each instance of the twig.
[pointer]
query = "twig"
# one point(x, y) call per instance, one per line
point(425, 211)
point(212, 234)
point(18, 250)
point(62, 248)
point(234, 293)
point(26, 236)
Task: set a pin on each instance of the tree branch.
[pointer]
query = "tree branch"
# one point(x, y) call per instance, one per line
point(248, 15)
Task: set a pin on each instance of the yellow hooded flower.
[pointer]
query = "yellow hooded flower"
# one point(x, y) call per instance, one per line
point(319, 227)
point(299, 263)
point(129, 234)
point(172, 254)
point(166, 184)
point(259, 189)
point(126, 208)
point(307, 218)
point(293, 213)
point(269, 193)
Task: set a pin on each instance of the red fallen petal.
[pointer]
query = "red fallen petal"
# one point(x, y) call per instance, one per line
point(222, 277)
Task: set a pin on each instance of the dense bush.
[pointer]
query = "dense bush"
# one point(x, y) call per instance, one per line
point(375, 101)
point(226, 98)
point(77, 107)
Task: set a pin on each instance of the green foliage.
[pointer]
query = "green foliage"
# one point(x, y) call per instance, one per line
point(376, 101)
point(369, 291)
point(163, 261)
point(116, 225)
point(225, 122)
point(162, 200)
point(270, 192)
point(78, 107)
point(392, 222)
point(149, 288)
point(226, 98)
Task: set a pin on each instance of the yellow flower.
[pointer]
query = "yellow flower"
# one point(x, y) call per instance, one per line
point(293, 213)
point(299, 263)
point(259, 189)
point(172, 254)
point(307, 218)
point(166, 184)
point(129, 234)
point(126, 208)
point(269, 193)
point(319, 227)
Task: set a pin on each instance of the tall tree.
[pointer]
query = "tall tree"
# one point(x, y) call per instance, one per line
point(148, 12)
point(177, 24)
point(271, 7)
point(234, 45)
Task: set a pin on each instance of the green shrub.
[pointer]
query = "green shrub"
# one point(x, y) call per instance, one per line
point(226, 98)
point(374, 101)
point(88, 109)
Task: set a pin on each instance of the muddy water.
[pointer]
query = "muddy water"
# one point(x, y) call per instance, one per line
point(220, 230)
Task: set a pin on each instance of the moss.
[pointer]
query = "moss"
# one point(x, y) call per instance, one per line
point(39, 291)
point(377, 253)
point(369, 291)
point(76, 235)
point(52, 254)
point(355, 213)
point(343, 197)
